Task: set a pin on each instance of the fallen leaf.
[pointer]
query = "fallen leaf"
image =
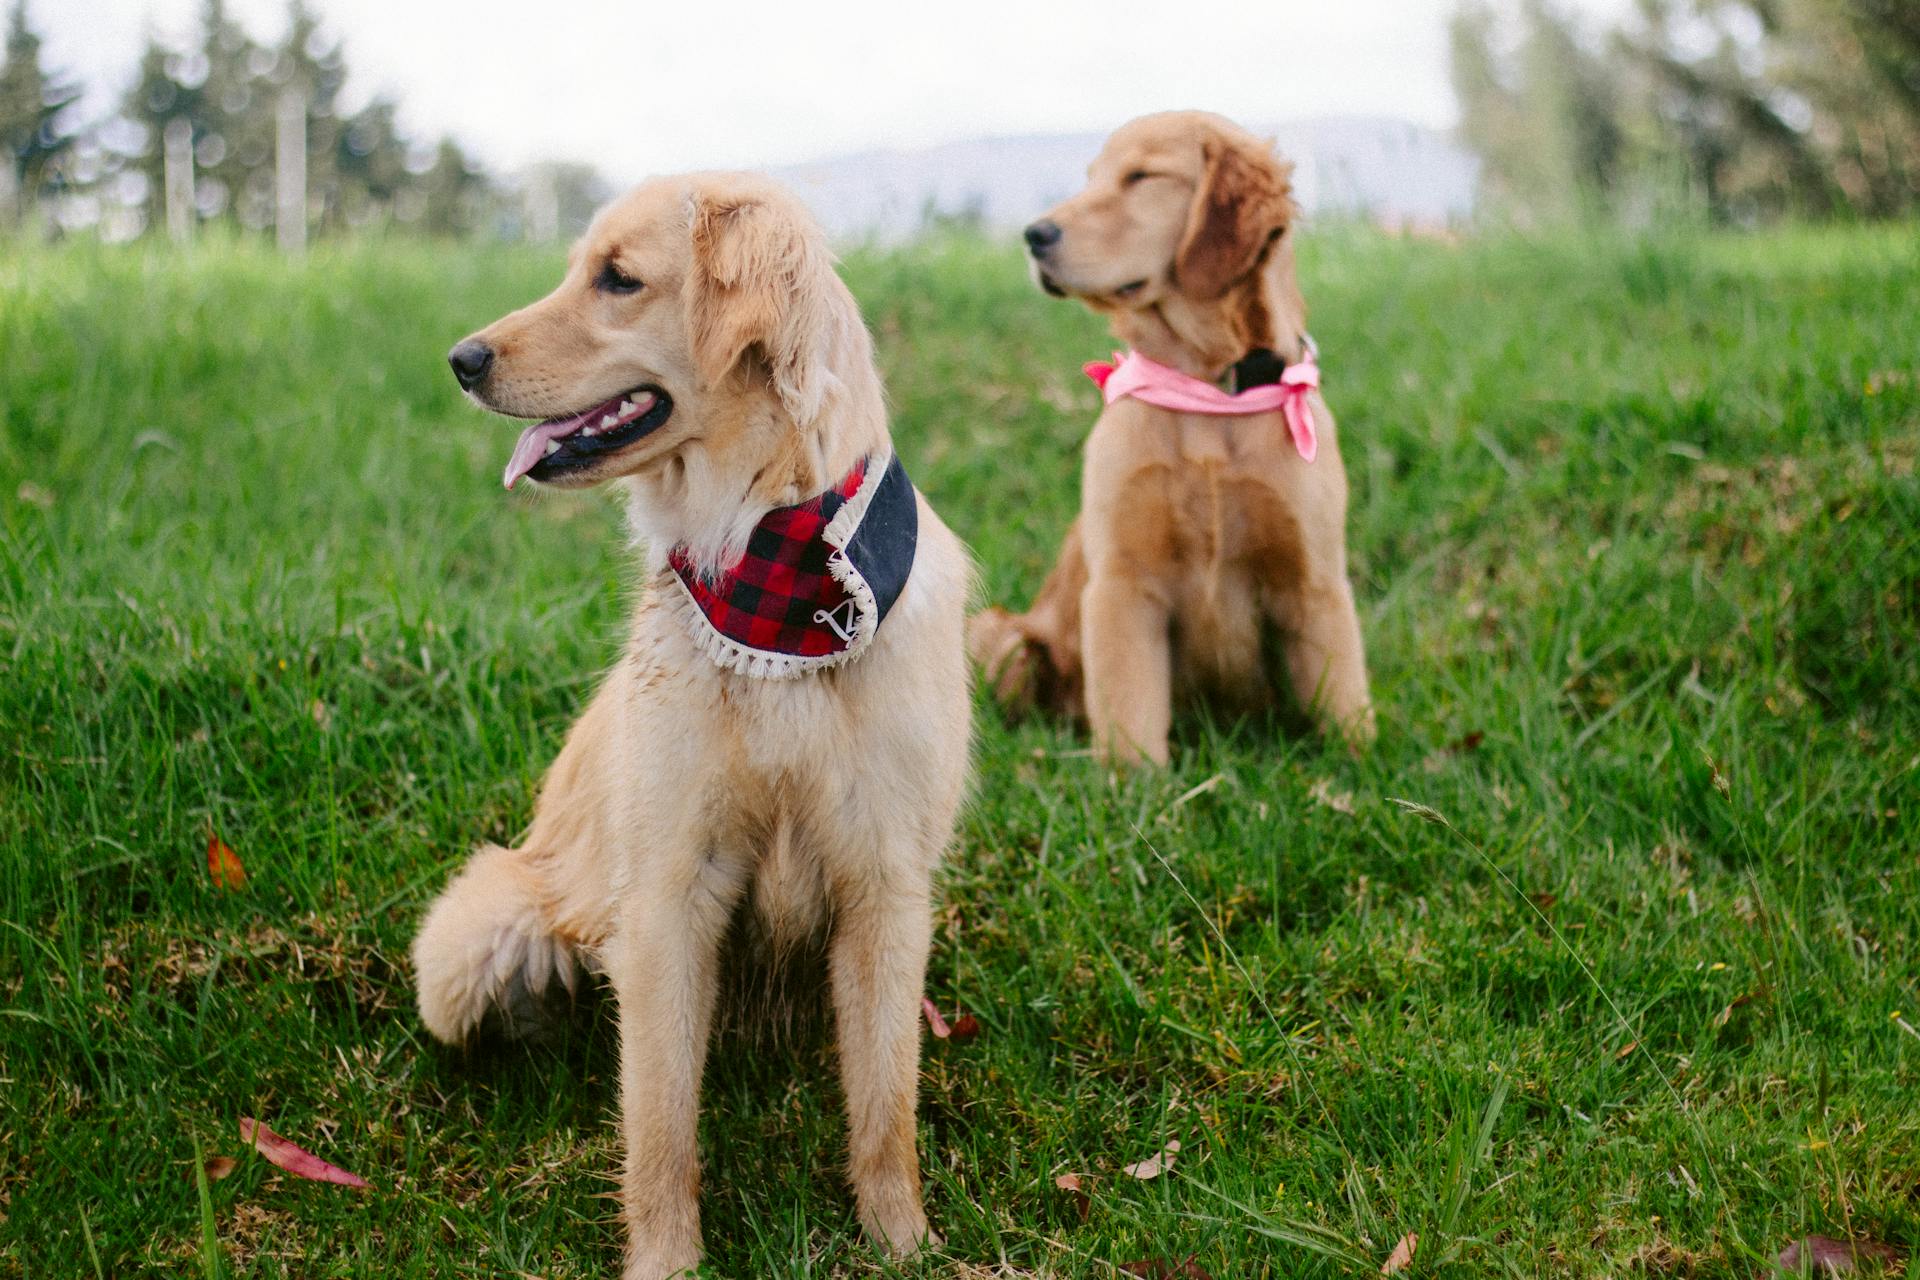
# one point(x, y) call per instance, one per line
point(1154, 1166)
point(1160, 1269)
point(964, 1028)
point(935, 1023)
point(300, 1163)
point(218, 1167)
point(1402, 1255)
point(1834, 1257)
point(1626, 1049)
point(1072, 1184)
point(223, 864)
point(1338, 801)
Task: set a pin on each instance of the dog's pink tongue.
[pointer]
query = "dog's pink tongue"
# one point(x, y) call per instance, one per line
point(532, 445)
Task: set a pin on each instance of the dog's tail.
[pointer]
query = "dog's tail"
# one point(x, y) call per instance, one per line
point(486, 952)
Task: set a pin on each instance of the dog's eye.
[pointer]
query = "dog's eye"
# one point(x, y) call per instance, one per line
point(1138, 175)
point(613, 280)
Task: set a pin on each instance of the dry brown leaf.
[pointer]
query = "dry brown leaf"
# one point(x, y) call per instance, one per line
point(1402, 1256)
point(1824, 1255)
point(965, 1027)
point(1626, 1049)
point(224, 865)
point(218, 1167)
point(1074, 1185)
point(1153, 1166)
point(1338, 801)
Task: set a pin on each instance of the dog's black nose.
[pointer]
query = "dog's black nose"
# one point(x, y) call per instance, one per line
point(470, 361)
point(1042, 236)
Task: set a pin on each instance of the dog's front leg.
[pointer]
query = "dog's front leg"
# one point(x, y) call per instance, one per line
point(665, 970)
point(878, 956)
point(1129, 656)
point(1326, 660)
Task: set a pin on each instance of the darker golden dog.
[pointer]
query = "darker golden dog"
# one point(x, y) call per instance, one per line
point(1198, 535)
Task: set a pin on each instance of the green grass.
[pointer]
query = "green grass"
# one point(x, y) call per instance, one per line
point(1636, 532)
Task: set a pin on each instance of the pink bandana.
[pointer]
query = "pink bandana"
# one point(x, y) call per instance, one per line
point(1132, 374)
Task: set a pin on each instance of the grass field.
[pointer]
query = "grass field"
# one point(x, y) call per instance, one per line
point(1636, 535)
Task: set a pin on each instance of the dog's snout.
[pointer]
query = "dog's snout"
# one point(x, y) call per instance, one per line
point(1042, 236)
point(470, 360)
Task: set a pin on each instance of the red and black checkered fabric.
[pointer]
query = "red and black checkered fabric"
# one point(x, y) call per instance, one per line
point(770, 599)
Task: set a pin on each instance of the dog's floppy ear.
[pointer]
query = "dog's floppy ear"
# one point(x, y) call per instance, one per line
point(763, 280)
point(1244, 202)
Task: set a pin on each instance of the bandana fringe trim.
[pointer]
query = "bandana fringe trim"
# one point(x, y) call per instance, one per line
point(730, 655)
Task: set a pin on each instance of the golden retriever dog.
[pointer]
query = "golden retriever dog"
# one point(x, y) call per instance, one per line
point(773, 779)
point(1200, 533)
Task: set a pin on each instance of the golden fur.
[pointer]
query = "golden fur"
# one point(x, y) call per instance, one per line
point(1196, 534)
point(685, 794)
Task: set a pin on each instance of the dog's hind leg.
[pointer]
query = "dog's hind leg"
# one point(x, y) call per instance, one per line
point(488, 952)
point(1032, 659)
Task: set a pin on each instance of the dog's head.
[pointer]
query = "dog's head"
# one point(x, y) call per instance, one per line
point(693, 307)
point(1183, 205)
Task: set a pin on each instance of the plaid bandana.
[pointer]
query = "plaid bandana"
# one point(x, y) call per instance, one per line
point(816, 581)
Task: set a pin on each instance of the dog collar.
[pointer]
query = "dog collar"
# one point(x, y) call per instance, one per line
point(817, 579)
point(1263, 381)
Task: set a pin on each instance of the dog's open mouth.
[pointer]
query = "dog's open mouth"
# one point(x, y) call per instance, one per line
point(548, 450)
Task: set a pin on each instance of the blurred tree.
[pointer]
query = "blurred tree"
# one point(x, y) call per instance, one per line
point(1545, 118)
point(1768, 106)
point(450, 197)
point(370, 159)
point(33, 111)
point(234, 133)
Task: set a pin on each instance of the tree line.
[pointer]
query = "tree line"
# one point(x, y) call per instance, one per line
point(212, 116)
point(1737, 111)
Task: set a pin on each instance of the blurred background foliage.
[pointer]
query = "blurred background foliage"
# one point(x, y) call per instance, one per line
point(362, 170)
point(1734, 111)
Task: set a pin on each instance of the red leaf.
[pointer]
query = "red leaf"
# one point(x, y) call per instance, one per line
point(223, 864)
point(935, 1023)
point(964, 1028)
point(300, 1163)
point(1833, 1257)
point(1161, 1269)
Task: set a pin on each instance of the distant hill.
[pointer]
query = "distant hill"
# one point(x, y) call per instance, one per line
point(1383, 169)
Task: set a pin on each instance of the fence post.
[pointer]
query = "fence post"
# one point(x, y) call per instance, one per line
point(177, 153)
point(290, 172)
point(542, 206)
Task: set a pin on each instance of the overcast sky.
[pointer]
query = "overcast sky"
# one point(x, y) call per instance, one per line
point(637, 87)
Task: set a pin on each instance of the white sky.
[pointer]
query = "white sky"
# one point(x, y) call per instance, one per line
point(636, 87)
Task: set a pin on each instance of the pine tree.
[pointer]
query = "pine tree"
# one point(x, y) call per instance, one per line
point(33, 110)
point(451, 193)
point(233, 130)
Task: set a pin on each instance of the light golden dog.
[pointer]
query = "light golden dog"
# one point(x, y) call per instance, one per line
point(1197, 534)
point(729, 375)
